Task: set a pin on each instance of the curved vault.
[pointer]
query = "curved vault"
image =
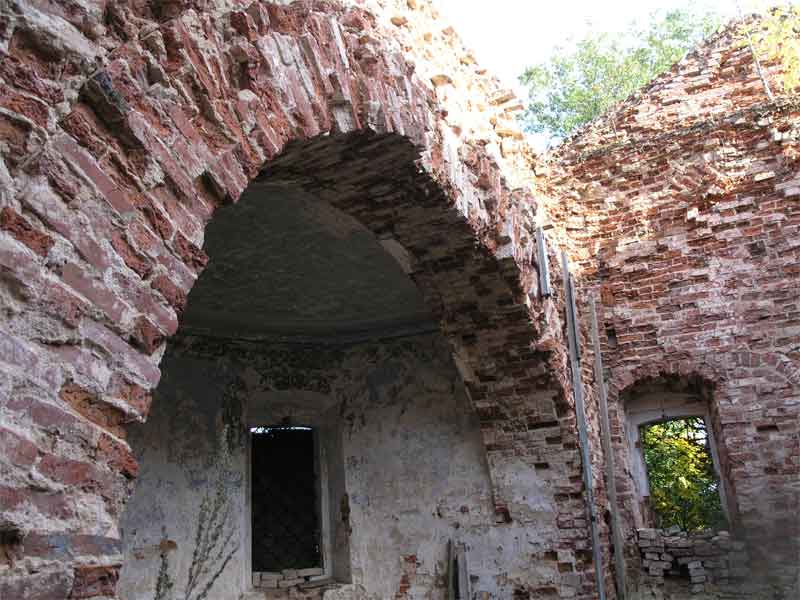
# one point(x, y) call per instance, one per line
point(180, 119)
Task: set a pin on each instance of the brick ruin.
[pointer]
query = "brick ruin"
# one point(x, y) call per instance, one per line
point(217, 215)
point(683, 209)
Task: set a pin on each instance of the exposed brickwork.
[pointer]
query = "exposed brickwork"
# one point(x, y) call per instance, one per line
point(88, 405)
point(170, 113)
point(683, 212)
point(126, 126)
point(18, 227)
point(95, 582)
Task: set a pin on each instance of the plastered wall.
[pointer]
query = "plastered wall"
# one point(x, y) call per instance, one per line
point(414, 467)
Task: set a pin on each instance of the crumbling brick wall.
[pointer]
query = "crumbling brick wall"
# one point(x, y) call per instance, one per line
point(125, 125)
point(683, 211)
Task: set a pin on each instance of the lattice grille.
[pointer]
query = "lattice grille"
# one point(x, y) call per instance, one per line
point(286, 532)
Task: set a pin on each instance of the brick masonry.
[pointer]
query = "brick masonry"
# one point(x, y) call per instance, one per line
point(125, 125)
point(682, 211)
point(706, 560)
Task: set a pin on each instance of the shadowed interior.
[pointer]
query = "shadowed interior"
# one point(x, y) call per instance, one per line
point(284, 263)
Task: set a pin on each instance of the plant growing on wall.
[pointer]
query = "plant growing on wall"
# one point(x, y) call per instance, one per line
point(215, 540)
point(775, 37)
point(684, 489)
point(164, 583)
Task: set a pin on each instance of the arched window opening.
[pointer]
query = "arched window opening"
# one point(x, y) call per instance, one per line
point(684, 487)
point(672, 455)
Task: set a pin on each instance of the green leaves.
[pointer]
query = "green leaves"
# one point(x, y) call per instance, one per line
point(776, 38)
point(580, 83)
point(684, 490)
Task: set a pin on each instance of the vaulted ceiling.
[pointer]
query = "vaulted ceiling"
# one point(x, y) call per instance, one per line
point(284, 264)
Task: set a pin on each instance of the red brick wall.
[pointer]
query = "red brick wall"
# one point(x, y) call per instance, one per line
point(123, 130)
point(684, 208)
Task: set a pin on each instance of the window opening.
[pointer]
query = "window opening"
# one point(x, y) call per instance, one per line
point(684, 485)
point(285, 499)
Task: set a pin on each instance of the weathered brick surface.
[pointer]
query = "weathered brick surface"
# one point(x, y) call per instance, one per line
point(683, 215)
point(127, 127)
point(18, 227)
point(95, 582)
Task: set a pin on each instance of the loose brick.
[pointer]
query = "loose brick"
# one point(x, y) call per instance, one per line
point(92, 408)
point(23, 231)
point(93, 582)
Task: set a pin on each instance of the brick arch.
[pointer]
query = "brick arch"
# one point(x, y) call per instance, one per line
point(679, 375)
point(681, 368)
point(721, 374)
point(102, 242)
point(478, 296)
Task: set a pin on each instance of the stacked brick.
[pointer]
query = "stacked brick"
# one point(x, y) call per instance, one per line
point(285, 579)
point(126, 126)
point(704, 561)
point(682, 210)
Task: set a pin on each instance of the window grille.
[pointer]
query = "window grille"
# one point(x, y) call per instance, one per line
point(285, 499)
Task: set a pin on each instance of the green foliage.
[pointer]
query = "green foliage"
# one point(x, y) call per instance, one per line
point(776, 38)
point(578, 84)
point(684, 490)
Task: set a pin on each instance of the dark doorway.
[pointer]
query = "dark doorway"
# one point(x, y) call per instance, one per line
point(285, 499)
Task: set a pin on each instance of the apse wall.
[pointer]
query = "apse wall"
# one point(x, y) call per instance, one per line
point(415, 470)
